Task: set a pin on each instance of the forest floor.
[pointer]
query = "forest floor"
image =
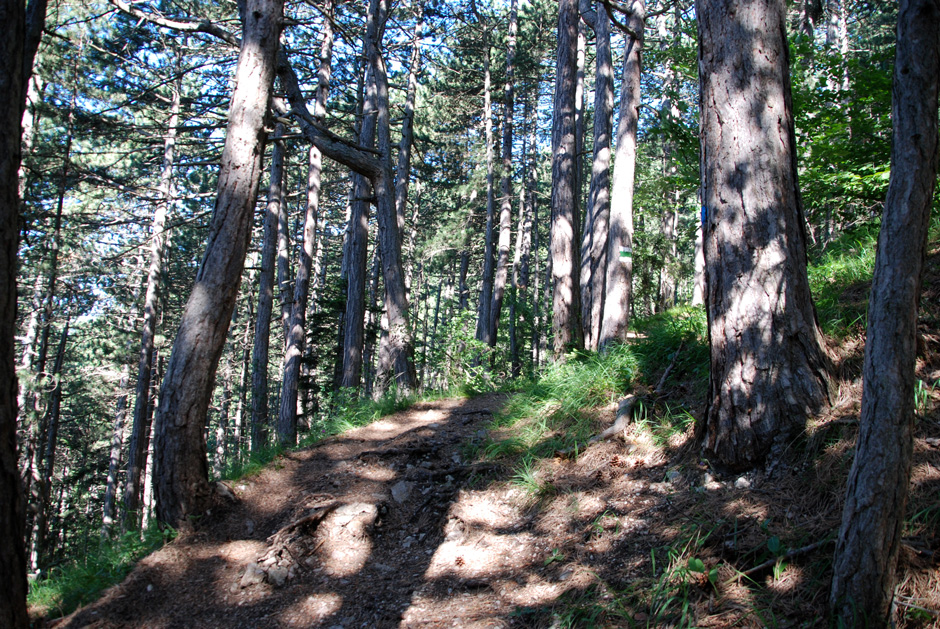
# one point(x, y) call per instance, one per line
point(402, 523)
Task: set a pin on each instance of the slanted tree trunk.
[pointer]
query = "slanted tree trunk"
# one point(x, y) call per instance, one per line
point(181, 475)
point(12, 509)
point(870, 537)
point(141, 421)
point(564, 245)
point(505, 182)
point(597, 214)
point(619, 281)
point(768, 367)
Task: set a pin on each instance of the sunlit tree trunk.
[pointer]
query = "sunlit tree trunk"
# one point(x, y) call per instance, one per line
point(287, 419)
point(619, 282)
point(505, 185)
point(876, 496)
point(486, 286)
point(768, 367)
point(597, 212)
point(180, 474)
point(141, 420)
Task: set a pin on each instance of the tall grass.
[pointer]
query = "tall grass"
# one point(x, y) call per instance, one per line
point(79, 582)
point(839, 278)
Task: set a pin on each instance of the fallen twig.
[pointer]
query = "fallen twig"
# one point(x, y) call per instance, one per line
point(662, 381)
point(775, 560)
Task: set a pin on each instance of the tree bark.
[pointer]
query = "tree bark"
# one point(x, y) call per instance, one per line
point(261, 349)
point(876, 496)
point(287, 419)
point(619, 281)
point(401, 342)
point(486, 286)
point(181, 475)
point(564, 246)
point(12, 510)
point(597, 214)
point(141, 422)
point(768, 367)
point(505, 182)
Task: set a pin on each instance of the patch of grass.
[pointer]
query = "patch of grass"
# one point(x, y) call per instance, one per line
point(526, 477)
point(252, 463)
point(840, 278)
point(79, 582)
point(678, 337)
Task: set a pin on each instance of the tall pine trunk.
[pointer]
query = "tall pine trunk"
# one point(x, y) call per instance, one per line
point(287, 418)
point(768, 366)
point(564, 244)
point(181, 475)
point(141, 420)
point(619, 282)
point(261, 351)
point(876, 496)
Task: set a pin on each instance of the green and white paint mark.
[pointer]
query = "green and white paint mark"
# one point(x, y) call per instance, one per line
point(626, 253)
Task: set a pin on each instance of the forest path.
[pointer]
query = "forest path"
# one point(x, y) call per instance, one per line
point(383, 526)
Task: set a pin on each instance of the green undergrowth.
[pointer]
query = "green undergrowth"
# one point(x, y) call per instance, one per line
point(553, 412)
point(79, 582)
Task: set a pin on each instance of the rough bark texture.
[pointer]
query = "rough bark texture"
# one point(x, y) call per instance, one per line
point(357, 250)
point(12, 549)
point(564, 243)
point(181, 475)
point(618, 289)
point(505, 183)
point(768, 366)
point(141, 421)
point(261, 347)
point(876, 496)
point(400, 344)
point(597, 213)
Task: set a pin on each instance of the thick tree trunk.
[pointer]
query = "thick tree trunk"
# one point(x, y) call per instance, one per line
point(768, 367)
point(357, 251)
point(619, 281)
point(401, 343)
point(597, 214)
point(261, 350)
point(564, 245)
point(505, 182)
point(287, 418)
point(181, 475)
point(876, 496)
point(12, 512)
point(141, 421)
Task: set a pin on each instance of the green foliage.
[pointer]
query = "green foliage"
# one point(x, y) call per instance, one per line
point(80, 581)
point(840, 278)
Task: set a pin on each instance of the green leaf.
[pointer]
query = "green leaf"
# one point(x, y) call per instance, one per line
point(696, 565)
point(774, 545)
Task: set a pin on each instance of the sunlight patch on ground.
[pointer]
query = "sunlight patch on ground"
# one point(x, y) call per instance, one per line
point(312, 609)
point(242, 551)
point(376, 473)
point(483, 555)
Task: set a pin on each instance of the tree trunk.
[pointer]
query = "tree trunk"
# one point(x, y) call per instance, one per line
point(283, 256)
point(768, 366)
point(287, 419)
point(261, 351)
point(870, 537)
point(40, 529)
point(12, 512)
point(181, 475)
point(486, 287)
point(141, 425)
point(619, 282)
point(403, 171)
point(597, 215)
point(505, 184)
point(564, 246)
point(114, 456)
point(353, 336)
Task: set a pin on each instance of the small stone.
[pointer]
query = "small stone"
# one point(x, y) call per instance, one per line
point(249, 527)
point(400, 491)
point(566, 574)
point(742, 483)
point(253, 575)
point(150, 587)
point(277, 576)
point(673, 475)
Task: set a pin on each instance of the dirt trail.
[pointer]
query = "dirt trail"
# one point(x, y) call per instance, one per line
point(378, 527)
